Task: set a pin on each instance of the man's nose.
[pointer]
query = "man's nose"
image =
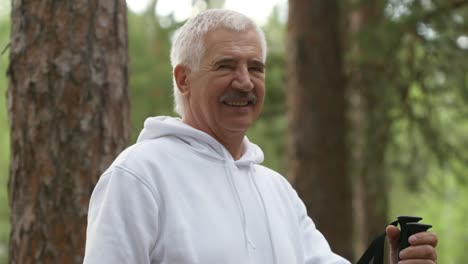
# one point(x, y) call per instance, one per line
point(242, 80)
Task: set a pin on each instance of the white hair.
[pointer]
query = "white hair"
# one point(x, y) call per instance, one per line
point(188, 47)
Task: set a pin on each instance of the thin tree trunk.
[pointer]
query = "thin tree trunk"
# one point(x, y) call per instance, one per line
point(317, 129)
point(369, 125)
point(68, 108)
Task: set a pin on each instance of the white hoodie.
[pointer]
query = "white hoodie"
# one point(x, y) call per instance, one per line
point(178, 197)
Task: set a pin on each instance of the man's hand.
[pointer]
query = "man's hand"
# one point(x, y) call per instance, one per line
point(421, 249)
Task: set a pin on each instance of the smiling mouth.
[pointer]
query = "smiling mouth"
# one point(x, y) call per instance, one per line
point(237, 103)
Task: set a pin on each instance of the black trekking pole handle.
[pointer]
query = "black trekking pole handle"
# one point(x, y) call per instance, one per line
point(408, 226)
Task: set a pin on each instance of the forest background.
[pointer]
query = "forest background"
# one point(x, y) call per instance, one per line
point(414, 58)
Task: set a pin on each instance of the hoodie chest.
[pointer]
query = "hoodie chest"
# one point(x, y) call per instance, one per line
point(211, 209)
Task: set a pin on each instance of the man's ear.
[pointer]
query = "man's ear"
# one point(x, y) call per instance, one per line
point(180, 75)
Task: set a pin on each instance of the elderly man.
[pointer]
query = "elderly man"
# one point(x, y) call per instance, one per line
point(192, 190)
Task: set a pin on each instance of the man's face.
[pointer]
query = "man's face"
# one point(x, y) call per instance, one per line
point(226, 94)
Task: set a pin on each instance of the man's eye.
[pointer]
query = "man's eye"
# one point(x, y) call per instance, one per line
point(224, 66)
point(256, 69)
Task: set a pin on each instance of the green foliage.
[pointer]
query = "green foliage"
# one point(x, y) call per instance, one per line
point(430, 80)
point(423, 81)
point(444, 206)
point(150, 69)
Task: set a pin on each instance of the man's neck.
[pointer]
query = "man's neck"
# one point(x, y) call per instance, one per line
point(231, 140)
point(233, 144)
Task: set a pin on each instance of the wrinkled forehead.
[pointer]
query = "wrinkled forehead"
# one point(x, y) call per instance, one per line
point(225, 42)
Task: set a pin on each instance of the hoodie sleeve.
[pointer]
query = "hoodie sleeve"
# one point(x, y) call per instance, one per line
point(122, 220)
point(315, 247)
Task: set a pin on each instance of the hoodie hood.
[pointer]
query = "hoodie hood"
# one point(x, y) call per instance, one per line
point(201, 142)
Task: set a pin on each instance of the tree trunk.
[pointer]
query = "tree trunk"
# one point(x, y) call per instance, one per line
point(369, 123)
point(317, 129)
point(68, 108)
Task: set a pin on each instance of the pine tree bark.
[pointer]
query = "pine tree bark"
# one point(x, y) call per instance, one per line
point(317, 127)
point(68, 108)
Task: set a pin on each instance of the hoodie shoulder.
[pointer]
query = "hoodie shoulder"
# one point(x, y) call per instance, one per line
point(267, 174)
point(144, 153)
point(263, 170)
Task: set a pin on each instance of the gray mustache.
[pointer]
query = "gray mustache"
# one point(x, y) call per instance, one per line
point(239, 95)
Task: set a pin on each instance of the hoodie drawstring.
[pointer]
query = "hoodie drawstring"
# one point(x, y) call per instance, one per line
point(267, 221)
point(235, 192)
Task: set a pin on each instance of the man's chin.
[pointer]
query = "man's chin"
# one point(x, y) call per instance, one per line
point(239, 119)
point(239, 126)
